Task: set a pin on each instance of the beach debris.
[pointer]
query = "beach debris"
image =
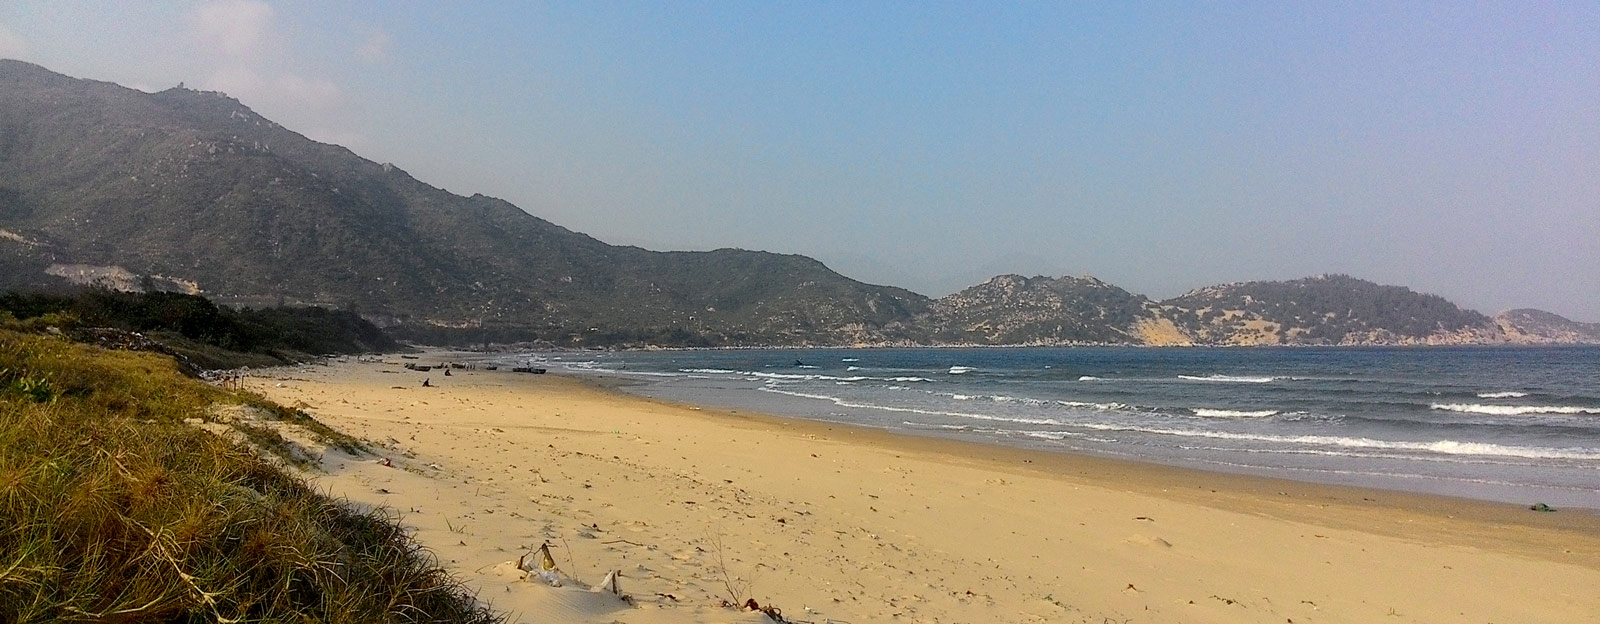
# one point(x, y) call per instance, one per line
point(541, 565)
point(385, 462)
point(541, 560)
point(610, 583)
point(1541, 507)
point(751, 605)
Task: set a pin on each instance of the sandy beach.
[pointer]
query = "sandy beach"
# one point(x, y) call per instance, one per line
point(839, 524)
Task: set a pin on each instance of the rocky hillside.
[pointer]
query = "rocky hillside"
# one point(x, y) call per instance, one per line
point(193, 191)
point(1326, 309)
point(1538, 326)
point(1012, 309)
point(1322, 310)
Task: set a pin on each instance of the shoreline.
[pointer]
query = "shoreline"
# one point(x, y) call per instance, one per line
point(1219, 489)
point(514, 348)
point(858, 524)
point(1297, 418)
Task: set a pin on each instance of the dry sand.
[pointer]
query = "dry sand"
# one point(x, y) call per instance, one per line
point(844, 524)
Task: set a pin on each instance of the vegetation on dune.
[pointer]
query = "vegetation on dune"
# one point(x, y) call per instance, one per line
point(113, 509)
point(203, 333)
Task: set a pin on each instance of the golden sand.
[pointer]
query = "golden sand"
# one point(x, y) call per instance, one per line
point(842, 524)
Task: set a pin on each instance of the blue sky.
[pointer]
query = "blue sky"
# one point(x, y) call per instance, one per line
point(1450, 147)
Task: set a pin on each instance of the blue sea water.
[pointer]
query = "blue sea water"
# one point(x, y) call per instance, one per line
point(1506, 424)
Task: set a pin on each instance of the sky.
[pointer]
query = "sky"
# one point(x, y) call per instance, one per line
point(1452, 147)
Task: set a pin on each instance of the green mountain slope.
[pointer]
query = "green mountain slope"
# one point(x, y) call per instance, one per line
point(1012, 309)
point(194, 191)
point(1327, 309)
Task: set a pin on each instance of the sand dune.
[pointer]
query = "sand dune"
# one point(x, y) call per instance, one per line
point(840, 524)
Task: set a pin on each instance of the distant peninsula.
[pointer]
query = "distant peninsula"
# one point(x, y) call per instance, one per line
point(193, 192)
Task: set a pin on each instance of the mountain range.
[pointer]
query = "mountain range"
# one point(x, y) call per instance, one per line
point(192, 191)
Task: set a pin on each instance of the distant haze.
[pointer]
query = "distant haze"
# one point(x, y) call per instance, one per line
point(1451, 149)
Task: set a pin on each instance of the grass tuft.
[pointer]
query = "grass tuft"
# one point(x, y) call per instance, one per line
point(112, 509)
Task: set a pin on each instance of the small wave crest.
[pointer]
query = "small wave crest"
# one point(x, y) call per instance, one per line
point(1222, 413)
point(797, 376)
point(1091, 378)
point(1229, 378)
point(842, 402)
point(1447, 447)
point(960, 370)
point(1098, 406)
point(1513, 410)
point(1501, 395)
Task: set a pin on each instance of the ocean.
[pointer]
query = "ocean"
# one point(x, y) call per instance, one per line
point(1517, 425)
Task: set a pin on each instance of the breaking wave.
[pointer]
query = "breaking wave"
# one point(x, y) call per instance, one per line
point(1222, 413)
point(800, 376)
point(1229, 378)
point(1513, 410)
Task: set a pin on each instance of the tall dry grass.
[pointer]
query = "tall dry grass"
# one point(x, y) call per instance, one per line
point(113, 510)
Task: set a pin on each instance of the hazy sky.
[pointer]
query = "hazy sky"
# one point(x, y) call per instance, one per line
point(1453, 147)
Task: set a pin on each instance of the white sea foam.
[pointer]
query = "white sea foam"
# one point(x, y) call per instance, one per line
point(1513, 410)
point(1501, 395)
point(999, 398)
point(1051, 435)
point(961, 370)
point(1222, 413)
point(798, 376)
point(928, 426)
point(1450, 447)
point(1099, 406)
point(1228, 378)
point(909, 410)
point(852, 368)
point(850, 360)
point(1090, 378)
point(592, 367)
